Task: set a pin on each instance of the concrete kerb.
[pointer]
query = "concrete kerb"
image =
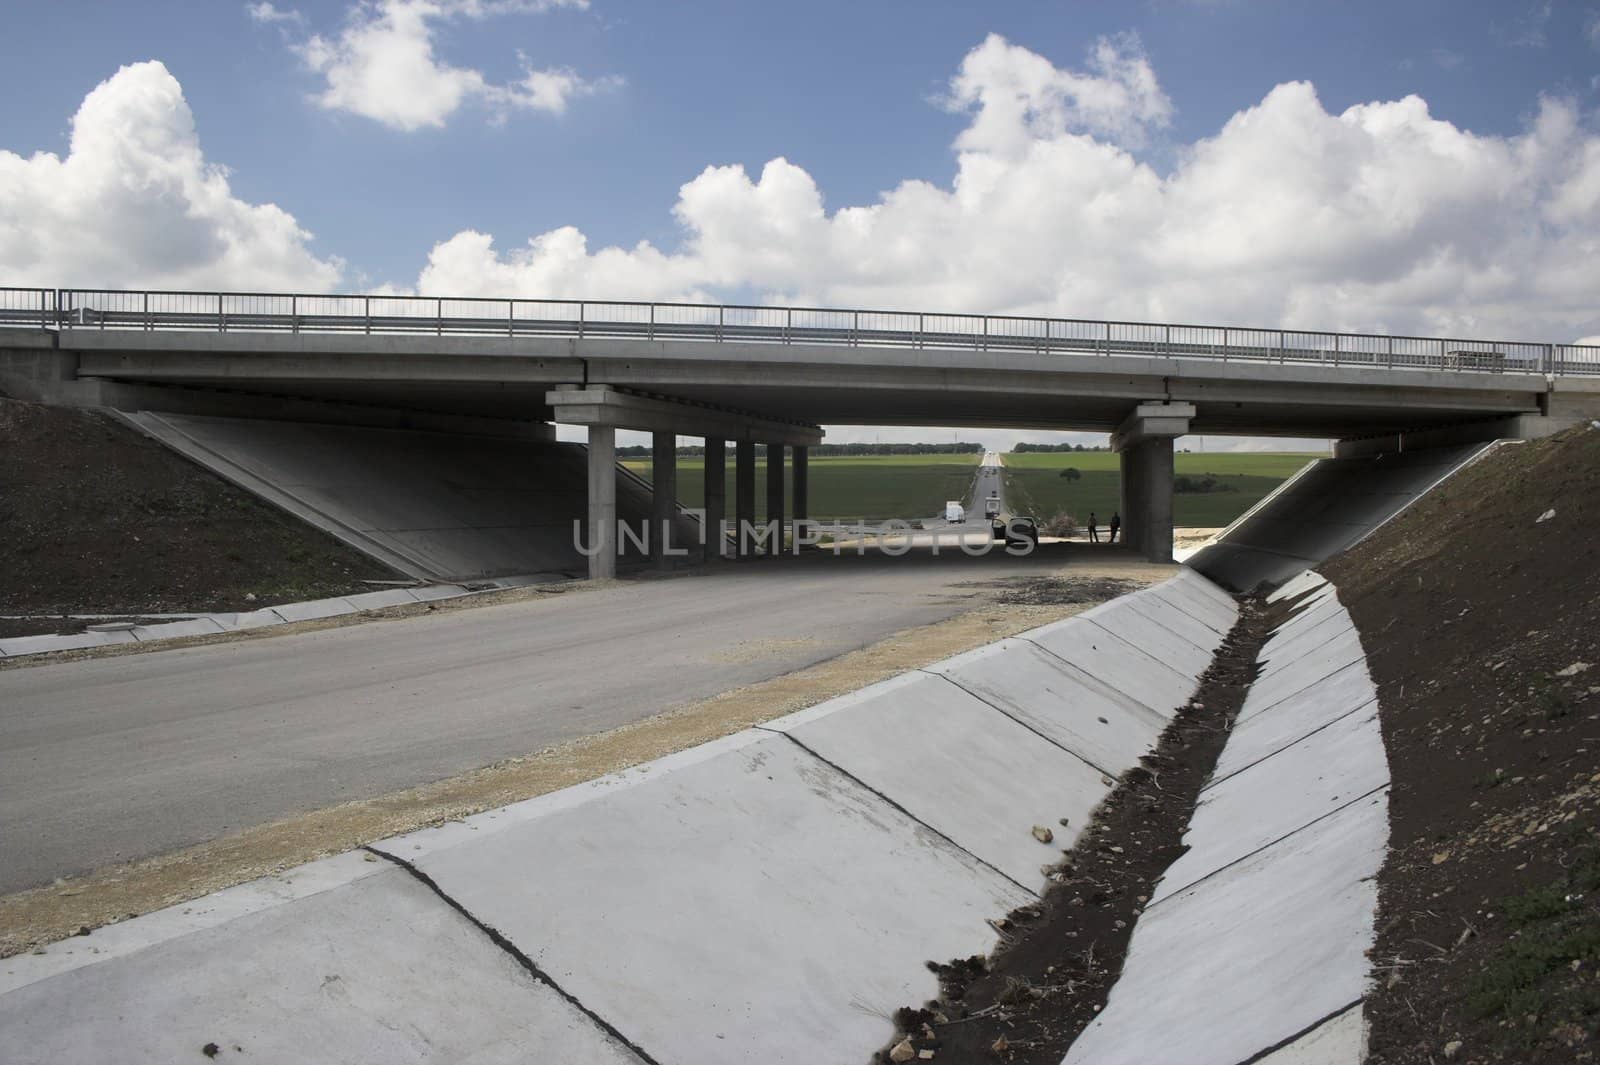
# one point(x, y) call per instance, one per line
point(287, 613)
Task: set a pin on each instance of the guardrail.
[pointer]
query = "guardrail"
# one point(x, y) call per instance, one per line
point(67, 309)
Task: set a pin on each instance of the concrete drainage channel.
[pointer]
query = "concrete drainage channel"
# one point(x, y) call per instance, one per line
point(283, 614)
point(775, 895)
point(1253, 947)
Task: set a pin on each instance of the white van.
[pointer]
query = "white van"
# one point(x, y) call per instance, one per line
point(954, 512)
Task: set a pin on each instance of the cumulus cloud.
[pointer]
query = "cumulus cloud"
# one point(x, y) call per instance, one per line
point(135, 202)
point(1381, 217)
point(383, 65)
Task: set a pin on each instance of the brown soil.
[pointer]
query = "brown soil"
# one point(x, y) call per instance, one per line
point(1060, 956)
point(95, 517)
point(58, 910)
point(1478, 620)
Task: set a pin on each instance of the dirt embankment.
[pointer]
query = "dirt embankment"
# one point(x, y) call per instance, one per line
point(1479, 609)
point(96, 518)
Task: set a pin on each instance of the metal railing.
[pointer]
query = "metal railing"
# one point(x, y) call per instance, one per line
point(229, 312)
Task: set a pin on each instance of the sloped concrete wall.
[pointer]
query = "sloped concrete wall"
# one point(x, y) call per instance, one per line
point(1253, 945)
point(770, 896)
point(436, 506)
point(1322, 511)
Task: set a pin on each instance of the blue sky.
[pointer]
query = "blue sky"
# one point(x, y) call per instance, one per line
point(1427, 166)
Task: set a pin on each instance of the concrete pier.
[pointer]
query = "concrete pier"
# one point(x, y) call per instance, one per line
point(602, 539)
point(1144, 442)
point(713, 545)
point(664, 501)
point(802, 488)
point(775, 506)
point(744, 495)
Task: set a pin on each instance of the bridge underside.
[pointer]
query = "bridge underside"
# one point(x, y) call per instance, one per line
point(781, 394)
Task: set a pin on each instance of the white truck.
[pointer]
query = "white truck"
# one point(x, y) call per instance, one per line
point(954, 512)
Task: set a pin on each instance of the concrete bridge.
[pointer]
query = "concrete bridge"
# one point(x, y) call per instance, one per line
point(775, 375)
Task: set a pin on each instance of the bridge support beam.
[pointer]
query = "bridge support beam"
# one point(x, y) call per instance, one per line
point(663, 496)
point(1144, 442)
point(713, 543)
point(602, 538)
point(744, 495)
point(775, 507)
point(801, 473)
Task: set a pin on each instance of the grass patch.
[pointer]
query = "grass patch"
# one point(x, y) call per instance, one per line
point(1034, 483)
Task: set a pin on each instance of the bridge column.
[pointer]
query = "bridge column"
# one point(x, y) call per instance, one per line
point(602, 539)
point(802, 502)
point(1144, 441)
point(775, 499)
point(744, 494)
point(663, 496)
point(715, 504)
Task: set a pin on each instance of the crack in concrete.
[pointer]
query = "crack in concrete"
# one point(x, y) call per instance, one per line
point(874, 791)
point(500, 940)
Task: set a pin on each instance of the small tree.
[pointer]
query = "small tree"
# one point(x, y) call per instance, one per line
point(1071, 473)
point(1062, 525)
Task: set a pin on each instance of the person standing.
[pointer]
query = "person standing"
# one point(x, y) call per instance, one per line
point(1094, 529)
point(1116, 526)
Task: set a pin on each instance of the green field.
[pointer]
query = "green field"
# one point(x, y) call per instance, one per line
point(848, 487)
point(1034, 484)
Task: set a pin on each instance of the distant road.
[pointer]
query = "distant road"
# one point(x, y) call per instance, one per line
point(120, 758)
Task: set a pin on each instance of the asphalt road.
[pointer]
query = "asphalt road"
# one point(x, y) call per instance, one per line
point(119, 758)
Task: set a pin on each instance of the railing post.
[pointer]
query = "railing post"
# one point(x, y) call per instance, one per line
point(438, 316)
point(582, 313)
point(222, 322)
point(922, 332)
point(294, 313)
point(722, 314)
point(511, 318)
point(1336, 349)
point(855, 329)
point(985, 345)
point(147, 324)
point(788, 325)
point(652, 333)
point(1550, 359)
point(366, 311)
point(1282, 353)
point(1107, 351)
point(44, 309)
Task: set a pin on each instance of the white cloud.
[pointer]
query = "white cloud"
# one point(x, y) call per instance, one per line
point(135, 202)
point(382, 65)
point(267, 13)
point(1382, 217)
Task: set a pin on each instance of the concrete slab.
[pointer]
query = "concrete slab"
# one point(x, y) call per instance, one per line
point(1318, 607)
point(313, 609)
point(252, 619)
point(1193, 580)
point(171, 629)
point(1151, 637)
point(1278, 795)
point(1341, 1040)
point(376, 968)
point(1314, 665)
point(1174, 619)
point(1115, 662)
point(379, 600)
point(32, 645)
point(959, 766)
point(1329, 699)
point(1287, 652)
point(797, 949)
point(1306, 581)
point(1086, 716)
point(1185, 593)
point(1250, 957)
